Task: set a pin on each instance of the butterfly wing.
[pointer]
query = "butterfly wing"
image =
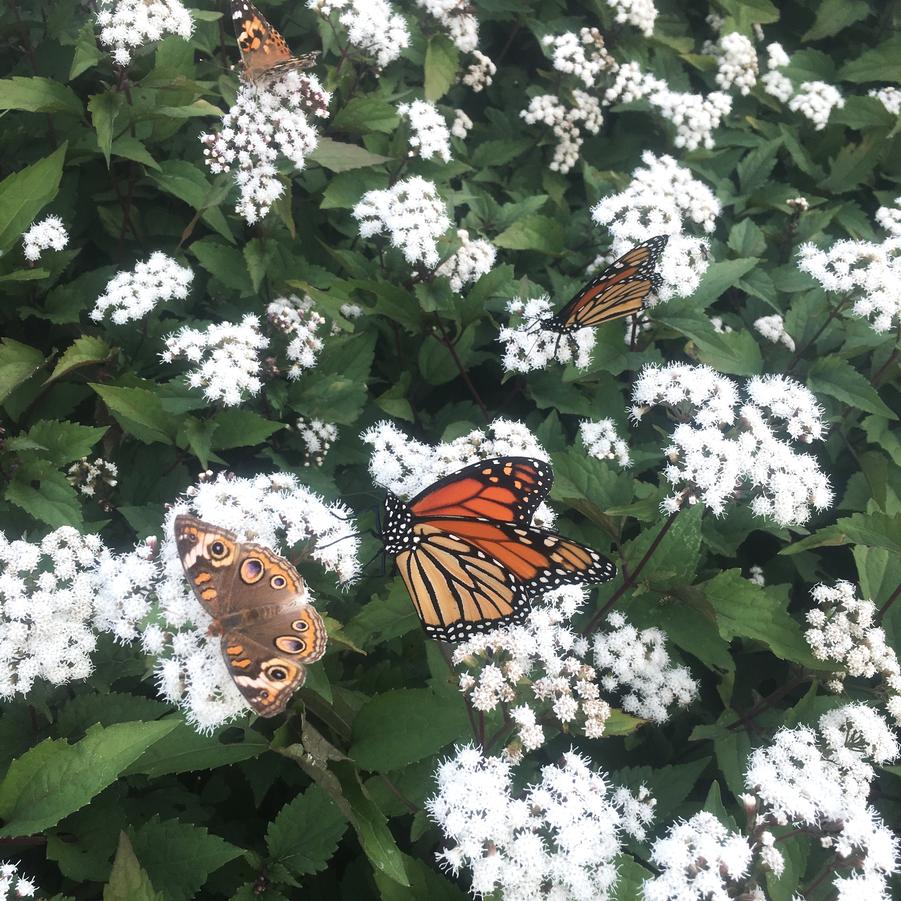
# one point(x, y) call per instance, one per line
point(620, 290)
point(508, 489)
point(267, 658)
point(262, 46)
point(467, 576)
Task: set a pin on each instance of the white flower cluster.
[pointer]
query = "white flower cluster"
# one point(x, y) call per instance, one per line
point(558, 840)
point(13, 884)
point(372, 25)
point(406, 466)
point(132, 295)
point(822, 782)
point(889, 217)
point(736, 62)
point(429, 133)
point(774, 82)
point(296, 318)
point(889, 97)
point(540, 667)
point(715, 453)
point(267, 119)
point(602, 441)
point(549, 110)
point(48, 234)
point(569, 56)
point(318, 436)
point(456, 16)
point(273, 510)
point(773, 329)
point(816, 100)
point(461, 126)
point(53, 595)
point(474, 259)
point(868, 272)
point(530, 345)
point(413, 215)
point(844, 629)
point(126, 25)
point(636, 663)
point(640, 13)
point(226, 357)
point(480, 73)
point(86, 476)
point(699, 860)
point(663, 198)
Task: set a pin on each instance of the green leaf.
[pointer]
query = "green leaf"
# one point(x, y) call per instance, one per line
point(431, 722)
point(337, 156)
point(365, 114)
point(441, 61)
point(104, 109)
point(54, 778)
point(187, 182)
point(731, 747)
point(534, 232)
point(718, 277)
point(224, 263)
point(747, 239)
point(756, 167)
point(882, 63)
point(26, 192)
point(630, 876)
point(839, 379)
point(383, 619)
point(179, 856)
point(745, 610)
point(87, 53)
point(64, 441)
point(854, 164)
point(41, 490)
point(139, 411)
point(83, 351)
point(833, 16)
point(127, 881)
point(676, 558)
point(17, 363)
point(424, 883)
point(241, 428)
point(873, 530)
point(305, 834)
point(38, 95)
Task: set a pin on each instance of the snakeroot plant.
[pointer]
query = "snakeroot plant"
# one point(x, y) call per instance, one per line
point(273, 277)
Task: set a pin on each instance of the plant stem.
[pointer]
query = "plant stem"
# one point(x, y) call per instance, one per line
point(470, 712)
point(445, 340)
point(885, 607)
point(804, 347)
point(629, 580)
point(764, 703)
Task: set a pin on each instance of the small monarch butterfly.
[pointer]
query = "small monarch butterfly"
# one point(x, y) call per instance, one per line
point(619, 291)
point(468, 554)
point(264, 51)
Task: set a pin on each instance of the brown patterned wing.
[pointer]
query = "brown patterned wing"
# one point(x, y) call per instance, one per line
point(262, 46)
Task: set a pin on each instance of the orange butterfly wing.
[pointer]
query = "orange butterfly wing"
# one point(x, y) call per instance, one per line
point(620, 290)
point(263, 49)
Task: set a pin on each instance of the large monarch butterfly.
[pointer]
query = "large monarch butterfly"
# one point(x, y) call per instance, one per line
point(468, 554)
point(264, 51)
point(620, 290)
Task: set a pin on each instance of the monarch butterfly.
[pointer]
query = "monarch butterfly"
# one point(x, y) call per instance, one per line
point(468, 554)
point(264, 51)
point(620, 290)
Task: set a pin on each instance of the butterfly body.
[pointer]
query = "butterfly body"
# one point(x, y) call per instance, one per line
point(264, 52)
point(257, 601)
point(468, 554)
point(619, 291)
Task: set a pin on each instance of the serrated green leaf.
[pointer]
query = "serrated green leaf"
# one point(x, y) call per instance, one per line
point(64, 441)
point(38, 95)
point(441, 61)
point(336, 156)
point(83, 351)
point(42, 491)
point(104, 109)
point(139, 411)
point(365, 114)
point(54, 778)
point(882, 63)
point(534, 232)
point(127, 881)
point(839, 379)
point(854, 164)
point(17, 363)
point(833, 16)
point(26, 192)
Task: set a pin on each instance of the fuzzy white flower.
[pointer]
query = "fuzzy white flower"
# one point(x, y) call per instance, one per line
point(132, 295)
point(663, 198)
point(86, 476)
point(889, 217)
point(889, 97)
point(869, 273)
point(774, 82)
point(318, 437)
point(126, 25)
point(267, 119)
point(698, 859)
point(736, 62)
point(480, 73)
point(568, 51)
point(413, 215)
point(461, 126)
point(13, 884)
point(296, 318)
point(756, 575)
point(531, 345)
point(773, 329)
point(226, 358)
point(714, 453)
point(457, 18)
point(640, 13)
point(815, 100)
point(567, 123)
point(601, 440)
point(474, 259)
point(429, 133)
point(558, 840)
point(48, 234)
point(273, 510)
point(372, 25)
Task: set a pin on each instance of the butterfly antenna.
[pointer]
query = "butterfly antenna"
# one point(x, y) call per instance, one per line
point(322, 547)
